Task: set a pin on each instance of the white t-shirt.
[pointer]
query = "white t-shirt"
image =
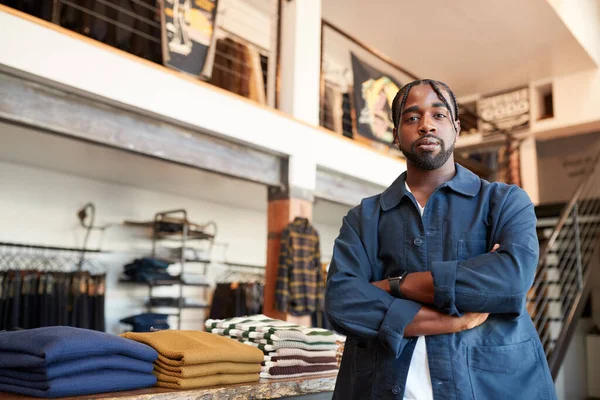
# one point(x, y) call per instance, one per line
point(418, 381)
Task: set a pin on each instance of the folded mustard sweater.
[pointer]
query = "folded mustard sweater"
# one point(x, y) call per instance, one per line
point(195, 371)
point(179, 348)
point(204, 381)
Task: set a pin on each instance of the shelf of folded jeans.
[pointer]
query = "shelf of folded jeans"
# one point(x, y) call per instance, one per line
point(190, 306)
point(173, 302)
point(164, 282)
point(152, 282)
point(172, 228)
point(187, 260)
point(191, 235)
point(196, 284)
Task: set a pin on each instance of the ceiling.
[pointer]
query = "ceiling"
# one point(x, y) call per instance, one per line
point(476, 46)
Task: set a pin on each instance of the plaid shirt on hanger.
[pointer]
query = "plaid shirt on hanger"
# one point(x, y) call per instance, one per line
point(300, 284)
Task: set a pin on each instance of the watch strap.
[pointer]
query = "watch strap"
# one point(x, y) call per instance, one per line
point(395, 284)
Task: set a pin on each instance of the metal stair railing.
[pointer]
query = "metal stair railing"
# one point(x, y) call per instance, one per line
point(561, 288)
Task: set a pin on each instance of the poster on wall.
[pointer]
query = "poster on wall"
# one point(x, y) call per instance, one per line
point(507, 110)
point(374, 92)
point(187, 33)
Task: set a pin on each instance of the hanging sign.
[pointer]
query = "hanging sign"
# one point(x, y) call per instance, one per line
point(374, 92)
point(187, 33)
point(508, 110)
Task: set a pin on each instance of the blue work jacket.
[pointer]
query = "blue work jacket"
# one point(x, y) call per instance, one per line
point(501, 359)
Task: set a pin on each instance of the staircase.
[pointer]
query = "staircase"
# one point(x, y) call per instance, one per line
point(569, 237)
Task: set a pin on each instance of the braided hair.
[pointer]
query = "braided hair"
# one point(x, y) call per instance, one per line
point(400, 100)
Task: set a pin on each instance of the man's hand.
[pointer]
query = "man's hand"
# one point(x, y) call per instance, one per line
point(383, 285)
point(432, 322)
point(471, 320)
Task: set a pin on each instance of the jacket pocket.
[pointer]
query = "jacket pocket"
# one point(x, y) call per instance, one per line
point(471, 248)
point(506, 372)
point(364, 357)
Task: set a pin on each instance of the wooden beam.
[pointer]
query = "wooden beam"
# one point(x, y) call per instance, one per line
point(343, 189)
point(63, 112)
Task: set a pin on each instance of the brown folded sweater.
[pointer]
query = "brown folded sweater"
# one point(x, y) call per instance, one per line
point(179, 348)
point(195, 371)
point(204, 381)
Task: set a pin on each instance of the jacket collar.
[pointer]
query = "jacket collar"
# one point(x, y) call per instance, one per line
point(464, 182)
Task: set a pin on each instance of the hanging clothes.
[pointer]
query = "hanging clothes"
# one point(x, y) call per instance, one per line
point(32, 299)
point(300, 283)
point(236, 299)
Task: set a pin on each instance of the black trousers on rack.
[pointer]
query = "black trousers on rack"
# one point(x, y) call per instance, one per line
point(228, 302)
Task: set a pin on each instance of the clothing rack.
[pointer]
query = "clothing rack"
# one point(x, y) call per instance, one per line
point(42, 247)
point(23, 256)
point(50, 285)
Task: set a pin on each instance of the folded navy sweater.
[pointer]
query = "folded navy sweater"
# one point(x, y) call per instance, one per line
point(88, 364)
point(43, 346)
point(100, 381)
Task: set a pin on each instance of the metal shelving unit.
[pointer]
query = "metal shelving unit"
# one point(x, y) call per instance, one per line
point(173, 226)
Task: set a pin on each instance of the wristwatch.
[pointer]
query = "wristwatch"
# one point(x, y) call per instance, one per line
point(395, 284)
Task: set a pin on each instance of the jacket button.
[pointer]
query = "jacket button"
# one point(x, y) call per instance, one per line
point(396, 389)
point(418, 242)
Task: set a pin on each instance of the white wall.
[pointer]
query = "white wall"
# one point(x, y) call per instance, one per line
point(39, 206)
point(327, 219)
point(571, 382)
point(561, 165)
point(46, 179)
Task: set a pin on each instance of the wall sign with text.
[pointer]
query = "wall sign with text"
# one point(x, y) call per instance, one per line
point(508, 110)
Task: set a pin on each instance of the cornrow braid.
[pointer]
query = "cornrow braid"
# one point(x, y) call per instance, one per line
point(400, 99)
point(437, 91)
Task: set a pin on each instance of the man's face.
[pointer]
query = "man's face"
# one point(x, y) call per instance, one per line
point(426, 134)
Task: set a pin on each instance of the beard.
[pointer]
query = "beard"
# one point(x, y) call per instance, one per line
point(426, 160)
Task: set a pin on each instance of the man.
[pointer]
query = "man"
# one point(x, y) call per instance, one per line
point(429, 279)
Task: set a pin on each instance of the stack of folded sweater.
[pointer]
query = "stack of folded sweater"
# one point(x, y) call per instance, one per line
point(194, 359)
point(290, 350)
point(64, 361)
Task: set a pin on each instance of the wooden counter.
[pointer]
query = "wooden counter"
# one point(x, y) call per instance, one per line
point(264, 389)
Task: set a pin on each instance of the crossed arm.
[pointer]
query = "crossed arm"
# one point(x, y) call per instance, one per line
point(419, 287)
point(460, 293)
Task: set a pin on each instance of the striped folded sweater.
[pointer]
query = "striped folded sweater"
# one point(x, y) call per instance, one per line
point(300, 352)
point(309, 347)
point(261, 327)
point(308, 360)
point(298, 369)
